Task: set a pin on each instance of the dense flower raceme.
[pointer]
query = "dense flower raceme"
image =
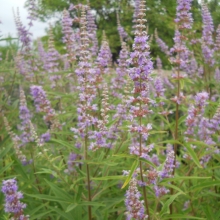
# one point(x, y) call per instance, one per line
point(164, 77)
point(104, 58)
point(25, 117)
point(92, 29)
point(207, 39)
point(134, 206)
point(119, 81)
point(0, 53)
point(13, 204)
point(162, 45)
point(198, 126)
point(52, 56)
point(183, 16)
point(71, 37)
point(122, 33)
point(23, 33)
point(196, 112)
point(155, 176)
point(42, 104)
point(41, 52)
point(181, 54)
point(217, 74)
point(217, 39)
point(208, 27)
point(68, 35)
point(216, 121)
point(32, 11)
point(140, 74)
point(182, 59)
point(136, 12)
point(86, 80)
point(28, 133)
point(16, 142)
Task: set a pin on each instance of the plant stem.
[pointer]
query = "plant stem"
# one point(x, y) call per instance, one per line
point(141, 169)
point(144, 192)
point(176, 129)
point(88, 177)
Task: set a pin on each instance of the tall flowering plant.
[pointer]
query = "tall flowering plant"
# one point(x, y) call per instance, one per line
point(140, 73)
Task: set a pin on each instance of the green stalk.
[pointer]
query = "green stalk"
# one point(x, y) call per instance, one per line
point(88, 176)
point(176, 130)
point(141, 169)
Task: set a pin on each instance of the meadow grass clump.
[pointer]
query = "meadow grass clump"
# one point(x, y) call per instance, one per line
point(85, 137)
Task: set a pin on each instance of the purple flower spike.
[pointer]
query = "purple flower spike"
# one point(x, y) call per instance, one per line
point(104, 58)
point(12, 200)
point(140, 57)
point(208, 29)
point(135, 207)
point(162, 45)
point(183, 16)
point(217, 40)
point(168, 166)
point(92, 29)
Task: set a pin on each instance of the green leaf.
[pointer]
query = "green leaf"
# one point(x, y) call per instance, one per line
point(124, 156)
point(182, 216)
point(74, 205)
point(5, 168)
point(40, 215)
point(133, 168)
point(203, 185)
point(48, 171)
point(174, 187)
point(134, 157)
point(59, 192)
point(71, 207)
point(184, 178)
point(62, 213)
point(193, 155)
point(64, 143)
point(209, 213)
point(91, 204)
point(48, 198)
point(35, 210)
point(158, 132)
point(109, 178)
point(167, 204)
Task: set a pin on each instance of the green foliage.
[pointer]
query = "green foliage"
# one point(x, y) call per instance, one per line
point(55, 188)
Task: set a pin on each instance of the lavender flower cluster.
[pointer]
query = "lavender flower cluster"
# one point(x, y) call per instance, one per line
point(13, 204)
